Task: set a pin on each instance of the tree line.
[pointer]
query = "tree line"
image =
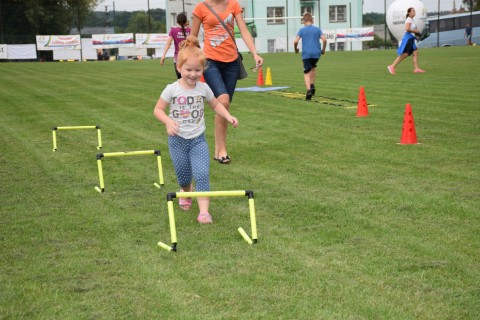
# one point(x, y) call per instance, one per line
point(21, 22)
point(125, 21)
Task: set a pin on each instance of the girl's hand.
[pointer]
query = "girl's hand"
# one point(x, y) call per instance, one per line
point(172, 128)
point(233, 121)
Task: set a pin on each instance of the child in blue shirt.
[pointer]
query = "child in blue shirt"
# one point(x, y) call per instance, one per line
point(311, 51)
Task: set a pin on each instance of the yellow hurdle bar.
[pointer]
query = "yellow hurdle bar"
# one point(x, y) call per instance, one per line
point(210, 194)
point(76, 127)
point(101, 189)
point(128, 153)
point(99, 134)
point(171, 214)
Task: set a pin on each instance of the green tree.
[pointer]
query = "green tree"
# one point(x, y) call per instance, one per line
point(140, 23)
point(378, 43)
point(80, 10)
point(373, 18)
point(21, 21)
point(469, 4)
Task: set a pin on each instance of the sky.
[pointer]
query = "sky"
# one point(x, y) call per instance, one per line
point(131, 5)
point(430, 5)
point(368, 5)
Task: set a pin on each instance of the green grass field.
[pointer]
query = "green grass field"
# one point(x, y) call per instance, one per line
point(351, 224)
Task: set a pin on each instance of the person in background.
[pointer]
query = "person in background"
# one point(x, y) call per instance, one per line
point(311, 51)
point(185, 125)
point(408, 46)
point(222, 68)
point(177, 34)
point(468, 34)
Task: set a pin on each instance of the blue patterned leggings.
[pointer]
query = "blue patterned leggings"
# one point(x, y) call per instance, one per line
point(191, 159)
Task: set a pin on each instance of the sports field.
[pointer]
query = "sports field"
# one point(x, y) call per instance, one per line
point(351, 224)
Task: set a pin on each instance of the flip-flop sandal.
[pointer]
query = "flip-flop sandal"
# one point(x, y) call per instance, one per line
point(204, 218)
point(223, 160)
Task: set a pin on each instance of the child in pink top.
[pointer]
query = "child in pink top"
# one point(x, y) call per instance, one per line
point(177, 34)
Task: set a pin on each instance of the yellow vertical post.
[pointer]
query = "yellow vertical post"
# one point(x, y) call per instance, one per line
point(99, 136)
point(100, 174)
point(171, 219)
point(160, 170)
point(54, 134)
point(253, 219)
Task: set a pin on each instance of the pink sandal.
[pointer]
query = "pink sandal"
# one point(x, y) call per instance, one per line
point(204, 218)
point(185, 203)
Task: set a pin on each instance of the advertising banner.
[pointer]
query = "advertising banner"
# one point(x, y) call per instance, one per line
point(67, 42)
point(3, 51)
point(151, 40)
point(330, 35)
point(106, 41)
point(355, 34)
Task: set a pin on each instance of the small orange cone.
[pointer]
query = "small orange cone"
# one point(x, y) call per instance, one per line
point(362, 109)
point(409, 136)
point(268, 78)
point(260, 77)
point(202, 79)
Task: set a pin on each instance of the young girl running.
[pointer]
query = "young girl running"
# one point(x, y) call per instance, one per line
point(185, 124)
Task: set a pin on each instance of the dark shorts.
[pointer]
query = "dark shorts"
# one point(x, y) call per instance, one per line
point(221, 77)
point(409, 47)
point(309, 64)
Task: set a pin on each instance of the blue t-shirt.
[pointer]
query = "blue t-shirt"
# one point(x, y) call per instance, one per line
point(310, 41)
point(468, 31)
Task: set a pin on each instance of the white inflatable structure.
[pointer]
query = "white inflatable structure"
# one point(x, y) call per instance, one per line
point(396, 15)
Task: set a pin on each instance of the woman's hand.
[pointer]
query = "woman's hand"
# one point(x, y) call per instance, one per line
point(258, 60)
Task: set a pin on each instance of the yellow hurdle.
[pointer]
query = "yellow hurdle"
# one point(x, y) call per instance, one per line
point(101, 189)
point(55, 129)
point(171, 215)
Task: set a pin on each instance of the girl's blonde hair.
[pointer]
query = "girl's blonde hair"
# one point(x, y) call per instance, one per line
point(190, 48)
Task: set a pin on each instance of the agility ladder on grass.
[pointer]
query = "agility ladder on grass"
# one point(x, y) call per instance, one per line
point(54, 134)
point(128, 153)
point(171, 215)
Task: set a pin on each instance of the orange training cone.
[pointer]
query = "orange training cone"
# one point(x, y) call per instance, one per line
point(260, 77)
point(268, 78)
point(362, 109)
point(202, 79)
point(409, 136)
